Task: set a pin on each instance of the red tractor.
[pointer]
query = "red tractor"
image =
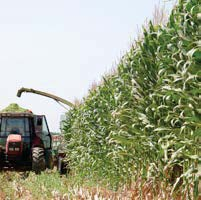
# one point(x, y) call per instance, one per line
point(25, 141)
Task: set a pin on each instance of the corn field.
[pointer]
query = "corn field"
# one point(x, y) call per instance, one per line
point(143, 122)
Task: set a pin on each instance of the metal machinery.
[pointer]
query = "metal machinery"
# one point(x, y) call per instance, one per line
point(60, 152)
point(25, 141)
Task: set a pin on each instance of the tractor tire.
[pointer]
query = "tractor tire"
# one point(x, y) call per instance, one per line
point(38, 160)
point(61, 167)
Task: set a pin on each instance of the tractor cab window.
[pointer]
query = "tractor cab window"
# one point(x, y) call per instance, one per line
point(14, 126)
point(42, 130)
point(3, 127)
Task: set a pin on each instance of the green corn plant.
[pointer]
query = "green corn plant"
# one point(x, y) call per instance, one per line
point(143, 122)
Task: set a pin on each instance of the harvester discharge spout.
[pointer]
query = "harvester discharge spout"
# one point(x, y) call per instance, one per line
point(56, 98)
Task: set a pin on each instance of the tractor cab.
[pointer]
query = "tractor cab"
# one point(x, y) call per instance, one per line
point(25, 140)
point(42, 131)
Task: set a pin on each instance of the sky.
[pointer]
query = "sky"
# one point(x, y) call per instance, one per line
point(63, 46)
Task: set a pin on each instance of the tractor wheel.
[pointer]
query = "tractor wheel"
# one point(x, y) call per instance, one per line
point(61, 166)
point(38, 160)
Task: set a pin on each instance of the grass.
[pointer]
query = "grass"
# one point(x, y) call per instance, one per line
point(49, 185)
point(27, 185)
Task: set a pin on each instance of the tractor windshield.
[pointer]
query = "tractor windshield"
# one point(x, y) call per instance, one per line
point(14, 126)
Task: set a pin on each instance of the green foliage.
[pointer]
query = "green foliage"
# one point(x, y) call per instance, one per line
point(28, 185)
point(49, 185)
point(145, 120)
point(13, 107)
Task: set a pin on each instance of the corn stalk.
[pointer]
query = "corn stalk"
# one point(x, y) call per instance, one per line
point(144, 121)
